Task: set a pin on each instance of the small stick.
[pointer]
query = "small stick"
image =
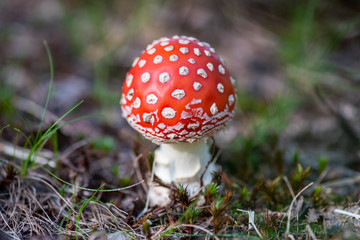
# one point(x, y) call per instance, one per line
point(311, 232)
point(290, 208)
point(251, 221)
point(341, 120)
point(201, 228)
point(43, 157)
point(137, 170)
point(148, 193)
point(322, 176)
point(36, 110)
point(350, 214)
point(12, 230)
point(213, 160)
point(289, 186)
point(341, 182)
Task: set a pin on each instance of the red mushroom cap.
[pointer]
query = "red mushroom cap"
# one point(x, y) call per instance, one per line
point(178, 90)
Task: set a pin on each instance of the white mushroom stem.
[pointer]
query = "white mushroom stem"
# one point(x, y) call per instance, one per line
point(181, 163)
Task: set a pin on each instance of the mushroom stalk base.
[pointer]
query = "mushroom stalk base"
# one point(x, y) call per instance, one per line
point(181, 163)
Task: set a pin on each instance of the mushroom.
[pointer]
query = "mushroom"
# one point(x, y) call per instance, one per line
point(178, 93)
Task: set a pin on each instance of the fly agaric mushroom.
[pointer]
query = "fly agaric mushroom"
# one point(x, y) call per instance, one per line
point(178, 94)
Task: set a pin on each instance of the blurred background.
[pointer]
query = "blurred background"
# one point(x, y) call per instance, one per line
point(297, 66)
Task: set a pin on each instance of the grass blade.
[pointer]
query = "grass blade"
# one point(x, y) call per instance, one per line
point(51, 65)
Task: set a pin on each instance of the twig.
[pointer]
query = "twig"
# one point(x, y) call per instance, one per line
point(36, 110)
point(350, 214)
point(161, 228)
point(148, 193)
point(64, 156)
point(289, 186)
point(137, 170)
point(212, 160)
point(72, 148)
point(290, 236)
point(122, 213)
point(91, 189)
point(114, 218)
point(291, 206)
point(292, 194)
point(52, 188)
point(14, 233)
point(342, 121)
point(201, 228)
point(155, 236)
point(43, 157)
point(322, 176)
point(46, 217)
point(251, 221)
point(311, 232)
point(341, 182)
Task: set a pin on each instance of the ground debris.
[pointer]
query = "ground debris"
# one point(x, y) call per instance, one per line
point(297, 121)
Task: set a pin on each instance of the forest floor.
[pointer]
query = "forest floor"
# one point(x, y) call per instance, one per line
point(72, 168)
